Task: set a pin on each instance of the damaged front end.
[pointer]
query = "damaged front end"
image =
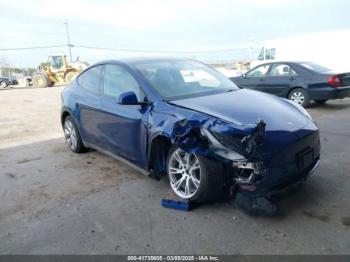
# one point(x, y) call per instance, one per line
point(260, 161)
point(227, 144)
point(258, 158)
point(243, 151)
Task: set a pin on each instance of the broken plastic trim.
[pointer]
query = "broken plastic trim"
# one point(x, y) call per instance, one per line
point(254, 140)
point(250, 143)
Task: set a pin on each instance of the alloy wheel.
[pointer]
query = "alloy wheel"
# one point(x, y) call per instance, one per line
point(70, 134)
point(184, 173)
point(298, 98)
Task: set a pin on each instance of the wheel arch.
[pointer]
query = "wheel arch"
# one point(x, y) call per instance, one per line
point(295, 87)
point(66, 112)
point(63, 116)
point(158, 152)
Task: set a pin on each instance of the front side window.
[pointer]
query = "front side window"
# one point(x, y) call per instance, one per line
point(117, 81)
point(260, 71)
point(180, 78)
point(90, 79)
point(281, 70)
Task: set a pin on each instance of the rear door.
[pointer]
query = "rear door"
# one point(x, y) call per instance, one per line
point(88, 103)
point(279, 79)
point(254, 79)
point(123, 128)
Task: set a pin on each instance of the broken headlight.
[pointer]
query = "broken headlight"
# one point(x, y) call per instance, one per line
point(231, 147)
point(221, 149)
point(231, 141)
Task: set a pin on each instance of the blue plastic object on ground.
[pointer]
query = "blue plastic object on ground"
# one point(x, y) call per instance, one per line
point(176, 204)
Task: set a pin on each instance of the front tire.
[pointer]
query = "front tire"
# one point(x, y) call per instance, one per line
point(193, 177)
point(72, 136)
point(299, 96)
point(40, 81)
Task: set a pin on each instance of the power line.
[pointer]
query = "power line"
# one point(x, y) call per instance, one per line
point(161, 52)
point(31, 47)
point(129, 50)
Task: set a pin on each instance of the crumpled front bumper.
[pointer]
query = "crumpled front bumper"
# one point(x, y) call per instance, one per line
point(287, 166)
point(293, 182)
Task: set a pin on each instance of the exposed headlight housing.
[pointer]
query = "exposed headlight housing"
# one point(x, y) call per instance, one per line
point(221, 149)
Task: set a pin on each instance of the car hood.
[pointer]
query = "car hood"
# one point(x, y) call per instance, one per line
point(246, 107)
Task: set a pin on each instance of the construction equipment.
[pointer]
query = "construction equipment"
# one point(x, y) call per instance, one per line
point(57, 71)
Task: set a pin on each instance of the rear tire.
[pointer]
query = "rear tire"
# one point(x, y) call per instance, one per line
point(72, 135)
point(203, 177)
point(299, 96)
point(3, 84)
point(40, 81)
point(321, 102)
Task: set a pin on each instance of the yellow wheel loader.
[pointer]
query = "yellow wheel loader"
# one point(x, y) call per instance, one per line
point(57, 71)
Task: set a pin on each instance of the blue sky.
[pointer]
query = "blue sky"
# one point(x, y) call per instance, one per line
point(175, 25)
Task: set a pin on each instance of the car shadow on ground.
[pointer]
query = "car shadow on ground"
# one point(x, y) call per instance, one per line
point(46, 163)
point(301, 199)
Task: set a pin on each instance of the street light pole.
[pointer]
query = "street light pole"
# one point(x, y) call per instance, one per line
point(68, 41)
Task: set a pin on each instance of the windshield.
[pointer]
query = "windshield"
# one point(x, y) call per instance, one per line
point(181, 79)
point(315, 67)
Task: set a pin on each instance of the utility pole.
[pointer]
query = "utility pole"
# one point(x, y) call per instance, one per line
point(68, 41)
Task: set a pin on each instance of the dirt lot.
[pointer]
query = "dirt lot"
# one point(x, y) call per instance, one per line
point(57, 202)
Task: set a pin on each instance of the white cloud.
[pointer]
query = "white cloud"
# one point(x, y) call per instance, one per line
point(133, 14)
point(128, 14)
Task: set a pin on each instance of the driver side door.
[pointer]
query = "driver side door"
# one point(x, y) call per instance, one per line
point(254, 79)
point(279, 80)
point(123, 128)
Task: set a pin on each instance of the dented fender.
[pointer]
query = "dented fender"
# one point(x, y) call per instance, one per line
point(199, 133)
point(260, 157)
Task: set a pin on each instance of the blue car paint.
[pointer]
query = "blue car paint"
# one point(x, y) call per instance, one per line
point(129, 130)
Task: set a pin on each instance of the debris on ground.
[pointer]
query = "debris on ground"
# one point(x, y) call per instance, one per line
point(255, 206)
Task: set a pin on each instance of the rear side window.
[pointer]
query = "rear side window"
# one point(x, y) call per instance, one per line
point(90, 79)
point(281, 70)
point(315, 67)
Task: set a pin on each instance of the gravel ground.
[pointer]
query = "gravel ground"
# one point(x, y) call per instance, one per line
point(57, 202)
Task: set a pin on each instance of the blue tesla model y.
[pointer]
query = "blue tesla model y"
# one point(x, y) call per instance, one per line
point(181, 119)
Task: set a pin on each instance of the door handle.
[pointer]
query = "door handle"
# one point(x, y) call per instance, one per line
point(291, 78)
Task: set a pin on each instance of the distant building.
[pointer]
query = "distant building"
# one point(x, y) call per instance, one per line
point(230, 67)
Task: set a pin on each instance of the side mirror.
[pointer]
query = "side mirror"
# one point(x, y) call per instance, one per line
point(244, 76)
point(128, 98)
